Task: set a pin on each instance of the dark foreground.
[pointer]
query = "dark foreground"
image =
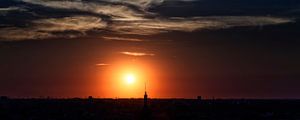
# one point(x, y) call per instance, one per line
point(162, 109)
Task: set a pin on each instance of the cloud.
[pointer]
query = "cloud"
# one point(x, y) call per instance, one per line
point(141, 3)
point(53, 27)
point(137, 54)
point(122, 39)
point(75, 23)
point(116, 16)
point(115, 11)
point(4, 11)
point(155, 26)
point(12, 8)
point(14, 33)
point(102, 64)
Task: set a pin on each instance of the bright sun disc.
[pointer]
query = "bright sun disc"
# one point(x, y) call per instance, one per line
point(129, 78)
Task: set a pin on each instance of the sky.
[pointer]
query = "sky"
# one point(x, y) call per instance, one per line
point(179, 48)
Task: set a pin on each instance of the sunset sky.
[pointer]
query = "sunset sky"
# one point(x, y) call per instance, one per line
point(179, 48)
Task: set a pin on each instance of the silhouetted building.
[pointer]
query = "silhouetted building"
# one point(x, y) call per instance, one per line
point(90, 97)
point(199, 97)
point(3, 98)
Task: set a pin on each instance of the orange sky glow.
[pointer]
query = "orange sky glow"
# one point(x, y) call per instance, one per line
point(127, 80)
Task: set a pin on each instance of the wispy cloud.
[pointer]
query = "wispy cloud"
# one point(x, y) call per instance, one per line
point(137, 54)
point(75, 23)
point(53, 27)
point(102, 64)
point(122, 39)
point(117, 16)
point(14, 33)
point(5, 11)
point(115, 11)
point(155, 26)
point(141, 3)
point(10, 9)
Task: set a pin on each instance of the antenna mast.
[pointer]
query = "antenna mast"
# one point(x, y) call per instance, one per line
point(145, 96)
point(145, 87)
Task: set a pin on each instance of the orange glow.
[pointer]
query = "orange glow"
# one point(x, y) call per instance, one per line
point(126, 79)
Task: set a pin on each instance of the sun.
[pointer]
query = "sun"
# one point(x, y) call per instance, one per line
point(130, 78)
point(127, 79)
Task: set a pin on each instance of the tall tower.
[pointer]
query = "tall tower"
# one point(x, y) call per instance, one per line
point(146, 114)
point(145, 98)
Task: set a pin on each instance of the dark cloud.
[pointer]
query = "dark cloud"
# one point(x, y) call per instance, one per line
point(56, 18)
